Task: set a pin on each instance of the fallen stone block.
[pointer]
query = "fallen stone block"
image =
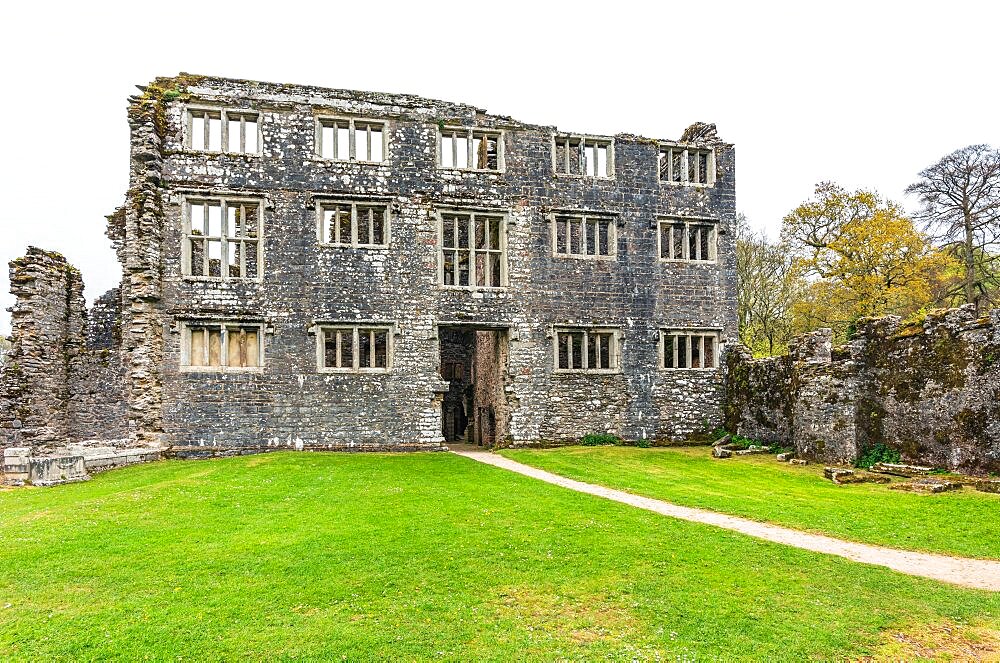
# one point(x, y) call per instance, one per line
point(841, 475)
point(900, 470)
point(988, 486)
point(785, 457)
point(719, 452)
point(722, 440)
point(927, 485)
point(798, 461)
point(836, 474)
point(751, 450)
point(52, 471)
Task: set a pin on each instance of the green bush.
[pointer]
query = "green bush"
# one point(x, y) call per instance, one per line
point(600, 439)
point(643, 444)
point(880, 453)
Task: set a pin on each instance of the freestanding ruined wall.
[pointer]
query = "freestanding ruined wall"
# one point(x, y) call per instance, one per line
point(930, 390)
point(47, 333)
point(61, 381)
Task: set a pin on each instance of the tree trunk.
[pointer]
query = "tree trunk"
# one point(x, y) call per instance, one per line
point(970, 261)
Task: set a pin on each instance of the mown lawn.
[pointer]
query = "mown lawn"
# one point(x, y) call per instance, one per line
point(419, 556)
point(758, 487)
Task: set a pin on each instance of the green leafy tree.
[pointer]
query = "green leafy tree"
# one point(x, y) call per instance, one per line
point(861, 256)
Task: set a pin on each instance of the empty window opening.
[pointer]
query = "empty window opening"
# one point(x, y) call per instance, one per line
point(473, 252)
point(220, 130)
point(464, 147)
point(689, 349)
point(586, 350)
point(354, 224)
point(348, 139)
point(583, 236)
point(693, 241)
point(680, 164)
point(222, 238)
point(355, 349)
point(576, 155)
point(222, 345)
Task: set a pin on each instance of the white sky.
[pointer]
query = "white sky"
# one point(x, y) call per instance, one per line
point(862, 93)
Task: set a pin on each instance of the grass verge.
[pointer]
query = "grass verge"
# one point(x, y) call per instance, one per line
point(418, 556)
point(758, 487)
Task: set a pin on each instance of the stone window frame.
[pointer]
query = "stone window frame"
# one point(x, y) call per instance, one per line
point(615, 349)
point(472, 212)
point(665, 153)
point(355, 202)
point(187, 236)
point(607, 141)
point(225, 325)
point(322, 120)
point(223, 113)
point(555, 218)
point(674, 220)
point(470, 136)
point(321, 327)
point(702, 332)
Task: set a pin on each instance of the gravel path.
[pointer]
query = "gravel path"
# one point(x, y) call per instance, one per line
point(974, 573)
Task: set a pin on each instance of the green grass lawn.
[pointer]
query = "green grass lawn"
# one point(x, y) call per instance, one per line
point(758, 487)
point(418, 556)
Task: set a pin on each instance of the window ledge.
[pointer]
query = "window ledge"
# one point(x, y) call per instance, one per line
point(218, 153)
point(490, 171)
point(354, 371)
point(696, 185)
point(220, 279)
point(596, 178)
point(586, 371)
point(367, 247)
point(351, 162)
point(473, 289)
point(688, 370)
point(564, 256)
point(680, 261)
point(220, 370)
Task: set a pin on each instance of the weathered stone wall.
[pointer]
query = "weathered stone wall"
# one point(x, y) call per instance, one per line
point(47, 335)
point(290, 403)
point(930, 390)
point(62, 381)
point(97, 408)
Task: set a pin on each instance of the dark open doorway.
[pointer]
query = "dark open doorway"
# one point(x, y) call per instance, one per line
point(474, 362)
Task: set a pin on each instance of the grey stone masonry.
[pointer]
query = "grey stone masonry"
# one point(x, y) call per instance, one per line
point(930, 390)
point(293, 256)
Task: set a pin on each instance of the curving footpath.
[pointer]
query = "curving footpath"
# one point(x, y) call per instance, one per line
point(974, 573)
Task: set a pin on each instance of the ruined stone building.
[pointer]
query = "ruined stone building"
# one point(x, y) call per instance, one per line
point(317, 268)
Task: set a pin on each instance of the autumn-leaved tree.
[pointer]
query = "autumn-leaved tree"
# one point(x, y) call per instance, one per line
point(769, 285)
point(960, 208)
point(861, 256)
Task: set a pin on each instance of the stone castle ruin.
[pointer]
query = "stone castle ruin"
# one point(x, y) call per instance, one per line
point(311, 268)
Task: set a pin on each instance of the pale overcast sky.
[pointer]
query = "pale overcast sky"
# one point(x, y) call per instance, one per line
point(862, 93)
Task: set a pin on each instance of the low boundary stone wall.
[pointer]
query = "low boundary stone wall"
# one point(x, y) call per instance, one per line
point(930, 390)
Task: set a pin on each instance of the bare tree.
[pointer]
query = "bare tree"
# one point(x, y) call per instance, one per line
point(960, 208)
point(768, 287)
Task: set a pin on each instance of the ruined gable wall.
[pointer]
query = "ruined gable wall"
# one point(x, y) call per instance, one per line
point(47, 333)
point(289, 403)
point(62, 380)
point(930, 390)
